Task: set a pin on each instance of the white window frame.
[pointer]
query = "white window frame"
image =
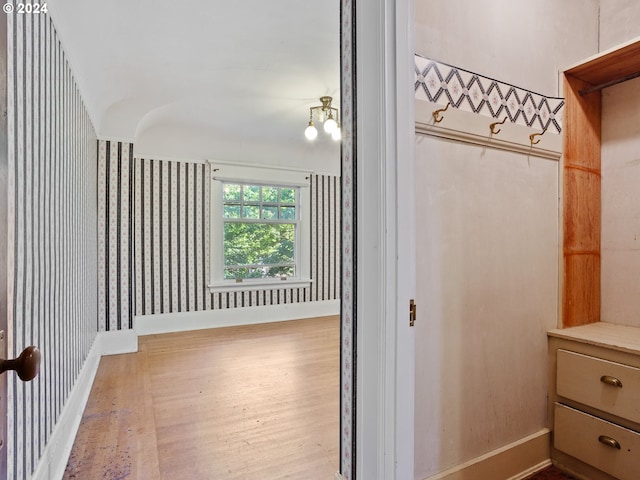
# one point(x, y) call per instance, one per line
point(221, 173)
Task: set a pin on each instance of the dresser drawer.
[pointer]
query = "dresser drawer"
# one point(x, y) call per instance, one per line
point(585, 437)
point(608, 386)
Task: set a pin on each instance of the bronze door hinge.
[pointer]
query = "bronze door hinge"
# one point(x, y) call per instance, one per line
point(412, 312)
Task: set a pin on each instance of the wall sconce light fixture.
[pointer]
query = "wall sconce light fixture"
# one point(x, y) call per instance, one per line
point(327, 114)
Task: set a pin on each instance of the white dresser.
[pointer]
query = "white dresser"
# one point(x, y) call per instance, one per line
point(594, 400)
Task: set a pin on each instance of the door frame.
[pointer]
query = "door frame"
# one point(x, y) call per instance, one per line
point(378, 274)
point(4, 252)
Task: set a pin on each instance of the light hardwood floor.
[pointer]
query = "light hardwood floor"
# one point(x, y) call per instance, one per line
point(254, 402)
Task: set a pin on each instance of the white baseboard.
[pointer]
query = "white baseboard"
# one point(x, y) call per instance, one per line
point(530, 471)
point(232, 317)
point(117, 342)
point(53, 461)
point(511, 462)
point(339, 476)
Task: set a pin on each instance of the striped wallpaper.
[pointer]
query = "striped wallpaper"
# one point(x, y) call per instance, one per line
point(51, 233)
point(171, 233)
point(153, 240)
point(84, 220)
point(325, 237)
point(115, 246)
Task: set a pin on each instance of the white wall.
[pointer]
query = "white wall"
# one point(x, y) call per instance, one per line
point(620, 261)
point(179, 142)
point(487, 237)
point(619, 22)
point(620, 255)
point(620, 241)
point(487, 284)
point(519, 42)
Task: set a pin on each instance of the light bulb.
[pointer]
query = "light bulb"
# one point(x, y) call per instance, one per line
point(310, 132)
point(336, 134)
point(330, 125)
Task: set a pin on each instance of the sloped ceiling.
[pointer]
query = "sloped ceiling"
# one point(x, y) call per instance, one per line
point(220, 80)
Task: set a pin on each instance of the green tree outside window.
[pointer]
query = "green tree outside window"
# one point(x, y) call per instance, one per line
point(260, 225)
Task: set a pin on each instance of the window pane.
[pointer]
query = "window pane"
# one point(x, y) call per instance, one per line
point(287, 195)
point(253, 249)
point(231, 273)
point(270, 194)
point(232, 211)
point(282, 271)
point(251, 211)
point(259, 249)
point(269, 212)
point(231, 192)
point(251, 193)
point(288, 213)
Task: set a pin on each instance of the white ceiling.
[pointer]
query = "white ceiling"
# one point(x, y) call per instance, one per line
point(220, 80)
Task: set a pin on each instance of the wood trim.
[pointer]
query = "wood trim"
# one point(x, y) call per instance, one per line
point(471, 128)
point(581, 125)
point(581, 218)
point(609, 65)
point(581, 200)
point(581, 296)
point(515, 461)
point(584, 169)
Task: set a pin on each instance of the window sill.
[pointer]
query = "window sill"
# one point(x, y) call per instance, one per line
point(231, 286)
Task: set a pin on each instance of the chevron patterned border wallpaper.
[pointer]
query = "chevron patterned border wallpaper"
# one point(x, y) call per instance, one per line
point(441, 83)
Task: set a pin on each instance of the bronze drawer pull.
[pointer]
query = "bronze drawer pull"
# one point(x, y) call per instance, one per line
point(609, 442)
point(609, 380)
